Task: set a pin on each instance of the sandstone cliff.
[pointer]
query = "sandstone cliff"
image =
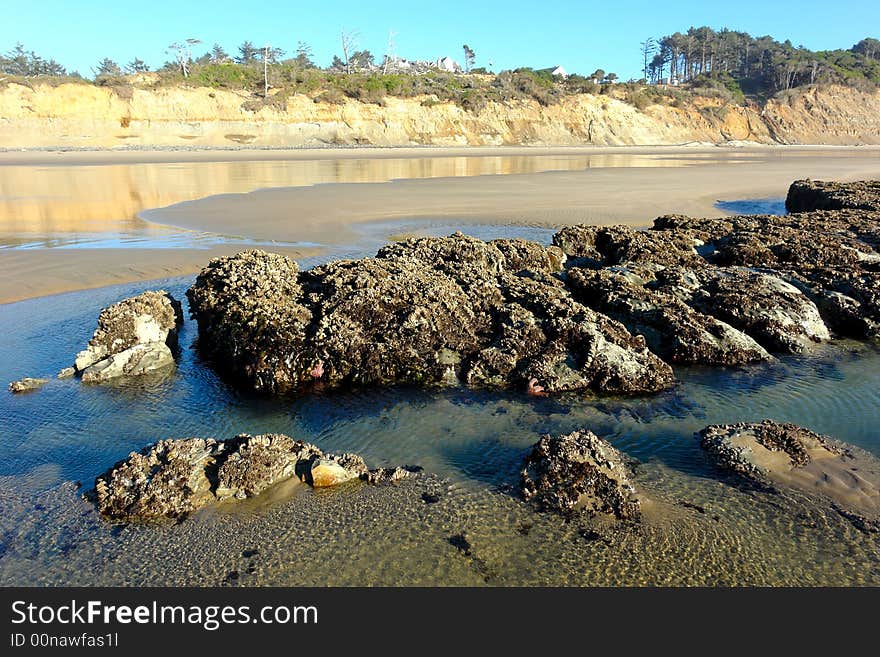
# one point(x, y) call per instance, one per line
point(86, 116)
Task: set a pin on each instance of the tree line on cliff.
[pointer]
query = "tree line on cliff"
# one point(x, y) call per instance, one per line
point(756, 65)
point(731, 64)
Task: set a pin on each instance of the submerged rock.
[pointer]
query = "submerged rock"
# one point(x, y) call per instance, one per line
point(173, 478)
point(27, 384)
point(134, 336)
point(427, 311)
point(579, 472)
point(790, 456)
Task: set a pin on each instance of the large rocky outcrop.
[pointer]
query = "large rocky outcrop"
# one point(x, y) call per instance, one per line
point(134, 337)
point(173, 478)
point(597, 311)
point(579, 472)
point(430, 311)
point(789, 456)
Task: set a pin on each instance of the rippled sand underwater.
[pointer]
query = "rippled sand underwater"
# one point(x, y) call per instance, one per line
point(462, 522)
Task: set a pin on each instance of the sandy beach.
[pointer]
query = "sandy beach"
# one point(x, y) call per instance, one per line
point(37, 273)
point(660, 180)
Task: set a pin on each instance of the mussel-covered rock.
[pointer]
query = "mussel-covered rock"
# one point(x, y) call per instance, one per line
point(775, 313)
point(427, 311)
point(788, 456)
point(806, 195)
point(671, 328)
point(173, 478)
point(579, 472)
point(605, 309)
point(134, 336)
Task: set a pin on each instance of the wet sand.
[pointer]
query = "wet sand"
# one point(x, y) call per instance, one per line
point(690, 181)
point(135, 156)
point(36, 273)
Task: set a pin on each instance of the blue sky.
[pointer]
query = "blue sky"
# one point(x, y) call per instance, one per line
point(581, 36)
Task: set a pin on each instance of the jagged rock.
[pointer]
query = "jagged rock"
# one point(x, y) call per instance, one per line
point(806, 195)
point(794, 457)
point(521, 254)
point(829, 255)
point(579, 472)
point(133, 337)
point(616, 245)
point(257, 462)
point(389, 475)
point(173, 478)
point(169, 479)
point(139, 359)
point(446, 311)
point(66, 372)
point(848, 299)
point(249, 318)
point(27, 384)
point(429, 311)
point(671, 328)
point(773, 312)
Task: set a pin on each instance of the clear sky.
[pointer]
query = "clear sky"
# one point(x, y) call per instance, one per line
point(581, 36)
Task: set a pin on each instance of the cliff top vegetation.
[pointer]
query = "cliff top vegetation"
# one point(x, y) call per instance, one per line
point(733, 66)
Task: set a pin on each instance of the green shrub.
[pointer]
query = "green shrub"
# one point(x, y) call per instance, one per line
point(226, 76)
point(473, 100)
point(332, 96)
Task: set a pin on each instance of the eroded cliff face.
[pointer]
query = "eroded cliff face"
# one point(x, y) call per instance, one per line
point(836, 115)
point(79, 115)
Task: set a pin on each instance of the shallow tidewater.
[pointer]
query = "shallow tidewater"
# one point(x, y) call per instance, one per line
point(699, 527)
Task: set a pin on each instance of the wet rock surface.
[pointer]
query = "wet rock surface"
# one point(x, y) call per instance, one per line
point(830, 256)
point(806, 195)
point(579, 472)
point(428, 311)
point(134, 337)
point(775, 313)
point(671, 328)
point(790, 456)
point(27, 384)
point(173, 478)
point(605, 309)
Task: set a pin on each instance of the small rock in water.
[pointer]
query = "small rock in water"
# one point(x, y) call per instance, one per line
point(326, 472)
point(27, 384)
point(460, 543)
point(579, 472)
point(173, 478)
point(67, 372)
point(133, 337)
point(787, 455)
point(387, 475)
